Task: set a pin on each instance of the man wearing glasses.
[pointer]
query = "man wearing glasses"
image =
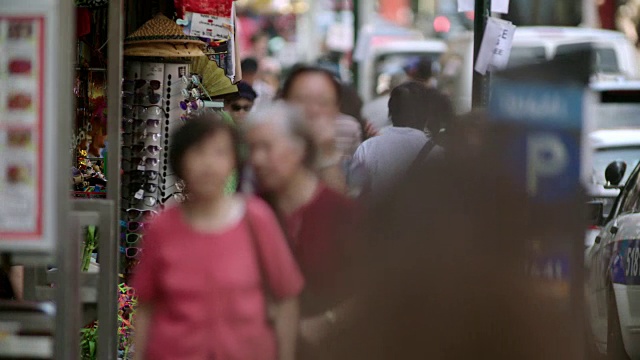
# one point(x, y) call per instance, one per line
point(238, 105)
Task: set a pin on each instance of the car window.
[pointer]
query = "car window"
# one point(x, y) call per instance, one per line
point(631, 199)
point(524, 55)
point(605, 156)
point(606, 58)
point(617, 108)
point(394, 63)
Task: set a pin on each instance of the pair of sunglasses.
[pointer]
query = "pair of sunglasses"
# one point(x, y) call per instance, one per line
point(132, 137)
point(153, 162)
point(147, 200)
point(132, 226)
point(191, 105)
point(143, 111)
point(236, 107)
point(179, 185)
point(132, 85)
point(133, 252)
point(146, 175)
point(178, 196)
point(138, 98)
point(140, 149)
point(147, 187)
point(137, 214)
point(150, 123)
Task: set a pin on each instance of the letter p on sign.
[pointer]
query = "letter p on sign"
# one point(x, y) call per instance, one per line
point(547, 157)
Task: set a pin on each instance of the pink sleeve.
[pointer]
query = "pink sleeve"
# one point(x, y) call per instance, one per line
point(278, 266)
point(147, 273)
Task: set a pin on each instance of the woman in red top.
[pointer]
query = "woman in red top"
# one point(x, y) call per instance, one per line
point(314, 216)
point(207, 264)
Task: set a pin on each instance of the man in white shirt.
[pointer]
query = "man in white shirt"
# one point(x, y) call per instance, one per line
point(383, 160)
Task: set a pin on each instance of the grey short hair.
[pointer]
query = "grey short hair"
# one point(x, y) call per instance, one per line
point(292, 120)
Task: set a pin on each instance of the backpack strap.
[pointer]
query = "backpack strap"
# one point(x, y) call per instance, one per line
point(424, 153)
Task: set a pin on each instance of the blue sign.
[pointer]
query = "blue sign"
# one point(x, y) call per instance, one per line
point(545, 150)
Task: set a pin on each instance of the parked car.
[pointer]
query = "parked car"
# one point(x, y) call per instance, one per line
point(615, 55)
point(392, 57)
point(612, 269)
point(615, 124)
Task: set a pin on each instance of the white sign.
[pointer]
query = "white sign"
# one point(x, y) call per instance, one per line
point(340, 37)
point(496, 46)
point(497, 6)
point(212, 27)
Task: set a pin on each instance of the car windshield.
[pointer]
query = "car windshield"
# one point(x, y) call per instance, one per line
point(605, 156)
point(606, 58)
point(394, 63)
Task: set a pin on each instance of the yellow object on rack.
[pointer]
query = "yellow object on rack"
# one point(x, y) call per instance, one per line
point(214, 79)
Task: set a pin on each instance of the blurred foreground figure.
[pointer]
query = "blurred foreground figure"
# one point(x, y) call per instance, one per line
point(210, 263)
point(283, 155)
point(440, 272)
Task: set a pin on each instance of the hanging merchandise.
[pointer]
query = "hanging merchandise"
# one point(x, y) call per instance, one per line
point(155, 95)
point(161, 37)
point(214, 79)
point(218, 30)
point(220, 8)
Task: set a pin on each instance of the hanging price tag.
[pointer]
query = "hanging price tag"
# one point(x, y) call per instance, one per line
point(139, 194)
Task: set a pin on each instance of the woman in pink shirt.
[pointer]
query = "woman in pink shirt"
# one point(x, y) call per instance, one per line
point(210, 264)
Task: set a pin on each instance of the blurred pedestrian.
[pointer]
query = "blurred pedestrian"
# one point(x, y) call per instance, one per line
point(238, 105)
point(351, 104)
point(381, 161)
point(318, 92)
point(283, 156)
point(440, 274)
point(421, 70)
point(251, 75)
point(209, 264)
point(376, 111)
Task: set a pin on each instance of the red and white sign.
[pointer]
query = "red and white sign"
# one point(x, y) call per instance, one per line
point(22, 84)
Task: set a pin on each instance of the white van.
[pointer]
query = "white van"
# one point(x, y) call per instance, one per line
point(615, 55)
point(392, 57)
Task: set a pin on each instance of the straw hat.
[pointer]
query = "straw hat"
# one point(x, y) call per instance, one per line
point(161, 36)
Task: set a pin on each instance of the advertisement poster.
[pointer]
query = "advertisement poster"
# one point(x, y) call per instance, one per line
point(21, 126)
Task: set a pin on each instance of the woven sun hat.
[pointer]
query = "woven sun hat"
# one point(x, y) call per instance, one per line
point(161, 36)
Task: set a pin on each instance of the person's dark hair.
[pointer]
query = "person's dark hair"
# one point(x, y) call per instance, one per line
point(245, 91)
point(249, 66)
point(305, 70)
point(416, 106)
point(197, 129)
point(351, 104)
point(421, 69)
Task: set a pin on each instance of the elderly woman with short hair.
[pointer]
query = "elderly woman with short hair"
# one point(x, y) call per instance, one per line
point(315, 218)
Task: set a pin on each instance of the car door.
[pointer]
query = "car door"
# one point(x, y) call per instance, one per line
point(602, 256)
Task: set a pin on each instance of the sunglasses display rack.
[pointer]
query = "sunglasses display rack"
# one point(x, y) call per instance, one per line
point(156, 99)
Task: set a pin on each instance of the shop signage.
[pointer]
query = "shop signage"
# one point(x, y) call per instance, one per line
point(28, 125)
